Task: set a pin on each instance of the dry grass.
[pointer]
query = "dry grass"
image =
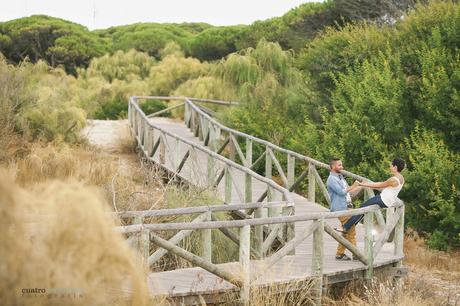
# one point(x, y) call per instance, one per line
point(58, 235)
point(127, 184)
point(418, 255)
point(433, 279)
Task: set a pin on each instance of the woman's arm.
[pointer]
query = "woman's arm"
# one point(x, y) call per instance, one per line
point(388, 183)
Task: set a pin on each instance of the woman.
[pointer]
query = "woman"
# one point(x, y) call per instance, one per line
point(389, 194)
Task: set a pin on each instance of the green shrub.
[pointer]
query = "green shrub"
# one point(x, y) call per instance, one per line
point(173, 70)
point(153, 106)
point(438, 240)
point(120, 66)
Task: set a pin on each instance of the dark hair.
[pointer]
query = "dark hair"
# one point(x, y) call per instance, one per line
point(399, 163)
point(333, 160)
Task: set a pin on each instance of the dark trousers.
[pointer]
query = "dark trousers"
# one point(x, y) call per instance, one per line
point(377, 200)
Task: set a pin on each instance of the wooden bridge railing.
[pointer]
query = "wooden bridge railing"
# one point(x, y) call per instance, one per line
point(221, 142)
point(242, 277)
point(165, 148)
point(292, 168)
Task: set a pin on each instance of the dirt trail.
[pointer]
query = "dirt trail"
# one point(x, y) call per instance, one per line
point(106, 134)
point(136, 190)
point(113, 138)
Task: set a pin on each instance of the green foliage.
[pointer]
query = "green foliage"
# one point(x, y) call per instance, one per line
point(292, 30)
point(37, 102)
point(150, 37)
point(120, 65)
point(433, 185)
point(103, 100)
point(368, 93)
point(57, 41)
point(272, 91)
point(152, 106)
point(209, 87)
point(215, 43)
point(438, 240)
point(173, 70)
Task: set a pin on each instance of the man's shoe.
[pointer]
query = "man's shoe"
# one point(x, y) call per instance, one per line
point(340, 230)
point(342, 257)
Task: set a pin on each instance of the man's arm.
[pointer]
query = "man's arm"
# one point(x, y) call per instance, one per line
point(334, 185)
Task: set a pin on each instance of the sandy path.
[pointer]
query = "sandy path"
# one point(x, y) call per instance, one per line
point(108, 135)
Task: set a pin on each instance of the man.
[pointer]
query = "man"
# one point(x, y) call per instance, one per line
point(339, 192)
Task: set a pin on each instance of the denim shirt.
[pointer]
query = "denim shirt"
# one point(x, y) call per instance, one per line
point(336, 186)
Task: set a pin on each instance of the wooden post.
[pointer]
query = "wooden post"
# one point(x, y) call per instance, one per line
point(206, 236)
point(228, 185)
point(289, 227)
point(186, 113)
point(399, 234)
point(144, 240)
point(311, 183)
point(390, 212)
point(245, 241)
point(399, 242)
point(200, 128)
point(317, 262)
point(162, 148)
point(176, 154)
point(144, 135)
point(210, 171)
point(216, 138)
point(369, 244)
point(231, 148)
point(268, 174)
point(152, 142)
point(248, 177)
point(258, 234)
point(147, 141)
point(136, 127)
point(290, 170)
point(211, 141)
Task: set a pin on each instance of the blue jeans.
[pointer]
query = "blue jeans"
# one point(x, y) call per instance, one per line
point(377, 200)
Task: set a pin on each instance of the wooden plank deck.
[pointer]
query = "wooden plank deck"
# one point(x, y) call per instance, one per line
point(197, 281)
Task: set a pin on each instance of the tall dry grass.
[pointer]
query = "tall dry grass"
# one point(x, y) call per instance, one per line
point(57, 236)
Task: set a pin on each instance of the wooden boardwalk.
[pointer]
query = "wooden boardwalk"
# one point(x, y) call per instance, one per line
point(185, 285)
point(197, 281)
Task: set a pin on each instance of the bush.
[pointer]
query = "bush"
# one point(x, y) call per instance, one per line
point(120, 66)
point(152, 106)
point(438, 240)
point(432, 188)
point(173, 70)
point(38, 103)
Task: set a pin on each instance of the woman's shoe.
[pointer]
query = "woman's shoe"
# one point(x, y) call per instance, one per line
point(340, 230)
point(342, 257)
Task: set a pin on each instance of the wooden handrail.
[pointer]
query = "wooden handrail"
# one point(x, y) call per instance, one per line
point(209, 131)
point(198, 209)
point(240, 223)
point(269, 144)
point(230, 163)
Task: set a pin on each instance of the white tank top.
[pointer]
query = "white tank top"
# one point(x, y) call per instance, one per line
point(389, 195)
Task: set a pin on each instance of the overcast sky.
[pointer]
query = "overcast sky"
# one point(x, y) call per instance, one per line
point(97, 14)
